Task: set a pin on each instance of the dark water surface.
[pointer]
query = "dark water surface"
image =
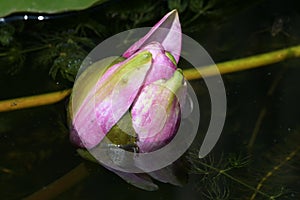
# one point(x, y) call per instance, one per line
point(35, 148)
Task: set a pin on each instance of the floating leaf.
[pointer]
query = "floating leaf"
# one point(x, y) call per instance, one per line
point(44, 6)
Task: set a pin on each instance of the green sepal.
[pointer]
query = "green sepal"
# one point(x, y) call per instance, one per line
point(123, 132)
point(170, 56)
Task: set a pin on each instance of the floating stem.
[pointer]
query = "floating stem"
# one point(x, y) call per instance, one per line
point(190, 74)
point(32, 101)
point(241, 64)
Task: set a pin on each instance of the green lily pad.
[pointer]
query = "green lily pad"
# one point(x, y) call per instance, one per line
point(44, 6)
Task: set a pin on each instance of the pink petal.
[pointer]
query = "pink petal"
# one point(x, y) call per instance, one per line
point(110, 99)
point(167, 32)
point(162, 67)
point(156, 113)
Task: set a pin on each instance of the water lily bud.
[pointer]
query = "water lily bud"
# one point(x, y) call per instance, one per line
point(136, 102)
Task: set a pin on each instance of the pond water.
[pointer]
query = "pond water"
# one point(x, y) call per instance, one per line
point(257, 155)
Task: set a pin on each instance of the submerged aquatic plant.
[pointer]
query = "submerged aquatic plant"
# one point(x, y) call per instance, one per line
point(135, 102)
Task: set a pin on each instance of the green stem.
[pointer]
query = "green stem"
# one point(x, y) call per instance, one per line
point(190, 74)
point(241, 64)
point(32, 101)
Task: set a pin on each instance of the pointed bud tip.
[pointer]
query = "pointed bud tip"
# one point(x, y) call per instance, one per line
point(174, 11)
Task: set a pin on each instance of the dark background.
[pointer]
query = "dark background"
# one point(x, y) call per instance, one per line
point(34, 144)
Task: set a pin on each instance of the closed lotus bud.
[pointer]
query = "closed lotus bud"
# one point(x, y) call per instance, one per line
point(135, 102)
point(147, 82)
